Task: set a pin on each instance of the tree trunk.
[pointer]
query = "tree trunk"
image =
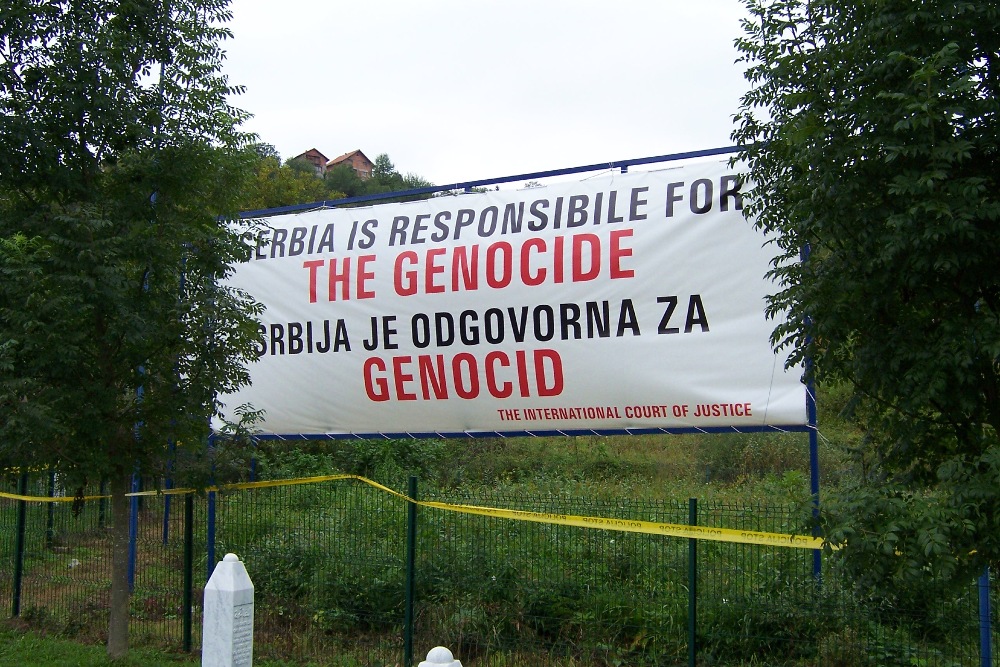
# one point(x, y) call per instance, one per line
point(121, 484)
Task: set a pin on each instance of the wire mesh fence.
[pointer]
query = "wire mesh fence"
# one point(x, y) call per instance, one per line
point(329, 563)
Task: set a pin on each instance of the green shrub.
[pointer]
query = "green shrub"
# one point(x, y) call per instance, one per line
point(740, 457)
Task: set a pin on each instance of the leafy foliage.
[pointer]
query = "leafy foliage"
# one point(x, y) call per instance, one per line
point(283, 185)
point(118, 153)
point(873, 142)
point(296, 181)
point(390, 461)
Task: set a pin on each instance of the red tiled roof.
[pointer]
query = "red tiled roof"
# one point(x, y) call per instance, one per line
point(346, 156)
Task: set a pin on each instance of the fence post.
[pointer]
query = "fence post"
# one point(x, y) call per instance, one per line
point(411, 554)
point(22, 508)
point(168, 484)
point(253, 462)
point(812, 418)
point(985, 629)
point(133, 530)
point(50, 516)
point(188, 595)
point(102, 504)
point(210, 520)
point(210, 535)
point(692, 585)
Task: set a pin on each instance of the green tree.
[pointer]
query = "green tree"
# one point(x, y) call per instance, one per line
point(284, 185)
point(302, 166)
point(118, 152)
point(413, 181)
point(383, 171)
point(296, 182)
point(343, 178)
point(385, 178)
point(264, 151)
point(342, 181)
point(873, 139)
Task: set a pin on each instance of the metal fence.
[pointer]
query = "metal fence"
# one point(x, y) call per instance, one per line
point(346, 574)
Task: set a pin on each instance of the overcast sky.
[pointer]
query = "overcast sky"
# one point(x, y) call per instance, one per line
point(459, 90)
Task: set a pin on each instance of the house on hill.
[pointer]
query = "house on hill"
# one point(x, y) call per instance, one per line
point(357, 160)
point(315, 158)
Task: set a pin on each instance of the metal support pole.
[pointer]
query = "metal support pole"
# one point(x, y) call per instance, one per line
point(22, 508)
point(102, 505)
point(985, 623)
point(813, 420)
point(188, 595)
point(814, 485)
point(692, 586)
point(50, 513)
point(210, 535)
point(210, 522)
point(168, 484)
point(411, 554)
point(253, 460)
point(133, 531)
point(166, 511)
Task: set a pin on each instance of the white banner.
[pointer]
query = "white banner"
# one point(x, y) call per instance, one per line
point(626, 301)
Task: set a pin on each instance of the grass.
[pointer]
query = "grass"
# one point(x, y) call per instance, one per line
point(645, 467)
point(735, 467)
point(25, 648)
point(22, 648)
point(326, 558)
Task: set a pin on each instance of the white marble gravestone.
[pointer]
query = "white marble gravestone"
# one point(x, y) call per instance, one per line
point(227, 629)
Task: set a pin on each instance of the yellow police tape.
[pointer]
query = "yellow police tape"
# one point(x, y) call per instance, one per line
point(622, 525)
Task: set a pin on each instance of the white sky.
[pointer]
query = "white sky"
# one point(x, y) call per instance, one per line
point(459, 90)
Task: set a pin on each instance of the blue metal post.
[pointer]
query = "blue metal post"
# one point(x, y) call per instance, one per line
point(133, 505)
point(210, 535)
point(188, 592)
point(102, 504)
point(985, 624)
point(50, 515)
point(411, 571)
point(811, 417)
point(22, 509)
point(692, 586)
point(168, 484)
point(814, 471)
point(133, 531)
point(210, 523)
point(253, 462)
